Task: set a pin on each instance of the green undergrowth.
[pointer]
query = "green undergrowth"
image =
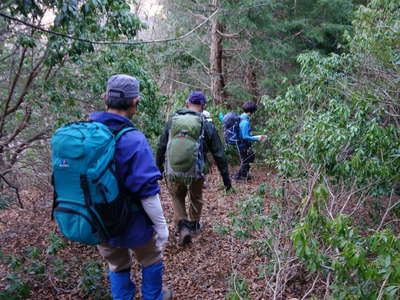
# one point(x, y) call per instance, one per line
point(32, 267)
point(357, 261)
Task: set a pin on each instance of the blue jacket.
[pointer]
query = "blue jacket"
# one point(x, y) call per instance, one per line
point(135, 165)
point(245, 128)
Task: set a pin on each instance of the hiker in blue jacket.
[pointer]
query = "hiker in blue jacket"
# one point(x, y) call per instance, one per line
point(245, 150)
point(147, 232)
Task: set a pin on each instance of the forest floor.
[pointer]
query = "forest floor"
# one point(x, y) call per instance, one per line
point(202, 270)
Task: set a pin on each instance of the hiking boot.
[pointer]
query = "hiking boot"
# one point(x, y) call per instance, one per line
point(196, 228)
point(239, 179)
point(184, 237)
point(167, 294)
point(184, 229)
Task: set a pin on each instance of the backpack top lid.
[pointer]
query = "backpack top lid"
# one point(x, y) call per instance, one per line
point(81, 139)
point(186, 124)
point(231, 128)
point(230, 119)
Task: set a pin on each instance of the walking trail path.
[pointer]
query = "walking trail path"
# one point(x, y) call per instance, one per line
point(201, 270)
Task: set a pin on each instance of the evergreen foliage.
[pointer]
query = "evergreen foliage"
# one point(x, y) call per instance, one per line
point(337, 131)
point(260, 42)
point(341, 119)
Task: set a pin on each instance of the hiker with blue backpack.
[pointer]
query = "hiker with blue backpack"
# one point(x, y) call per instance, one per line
point(110, 165)
point(238, 132)
point(181, 154)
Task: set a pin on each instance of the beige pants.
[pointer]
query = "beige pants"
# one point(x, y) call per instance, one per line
point(178, 193)
point(120, 259)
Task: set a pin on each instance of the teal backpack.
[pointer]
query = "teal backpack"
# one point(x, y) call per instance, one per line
point(89, 205)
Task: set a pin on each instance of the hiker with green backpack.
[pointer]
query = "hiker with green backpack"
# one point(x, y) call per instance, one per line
point(181, 153)
point(106, 191)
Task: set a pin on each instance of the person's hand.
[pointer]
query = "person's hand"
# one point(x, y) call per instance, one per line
point(262, 138)
point(162, 234)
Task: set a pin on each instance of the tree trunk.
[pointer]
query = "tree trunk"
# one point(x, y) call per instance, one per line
point(217, 76)
point(2, 167)
point(251, 80)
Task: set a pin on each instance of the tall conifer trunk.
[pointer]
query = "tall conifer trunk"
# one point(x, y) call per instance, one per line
point(217, 76)
point(251, 80)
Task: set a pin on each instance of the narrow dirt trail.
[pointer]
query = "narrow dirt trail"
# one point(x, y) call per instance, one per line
point(198, 271)
point(202, 269)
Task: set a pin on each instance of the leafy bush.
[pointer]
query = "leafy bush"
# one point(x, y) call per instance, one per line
point(34, 267)
point(335, 136)
point(33, 252)
point(239, 289)
point(91, 280)
point(362, 266)
point(6, 201)
point(56, 243)
point(15, 289)
point(340, 120)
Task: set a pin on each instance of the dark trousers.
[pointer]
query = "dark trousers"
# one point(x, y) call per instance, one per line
point(247, 156)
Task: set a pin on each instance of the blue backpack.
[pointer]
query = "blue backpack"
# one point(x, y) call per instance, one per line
point(231, 123)
point(90, 205)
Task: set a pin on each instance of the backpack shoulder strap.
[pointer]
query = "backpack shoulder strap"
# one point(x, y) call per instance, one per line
point(203, 124)
point(186, 111)
point(120, 132)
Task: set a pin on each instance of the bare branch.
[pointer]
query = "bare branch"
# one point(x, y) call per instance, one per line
point(14, 188)
point(388, 209)
point(310, 190)
point(22, 125)
point(187, 84)
point(139, 42)
point(383, 285)
point(228, 35)
point(12, 88)
point(327, 284)
point(311, 289)
point(3, 59)
point(351, 194)
point(32, 76)
point(207, 70)
point(24, 145)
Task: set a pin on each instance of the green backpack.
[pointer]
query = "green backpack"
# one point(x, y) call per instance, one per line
point(184, 155)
